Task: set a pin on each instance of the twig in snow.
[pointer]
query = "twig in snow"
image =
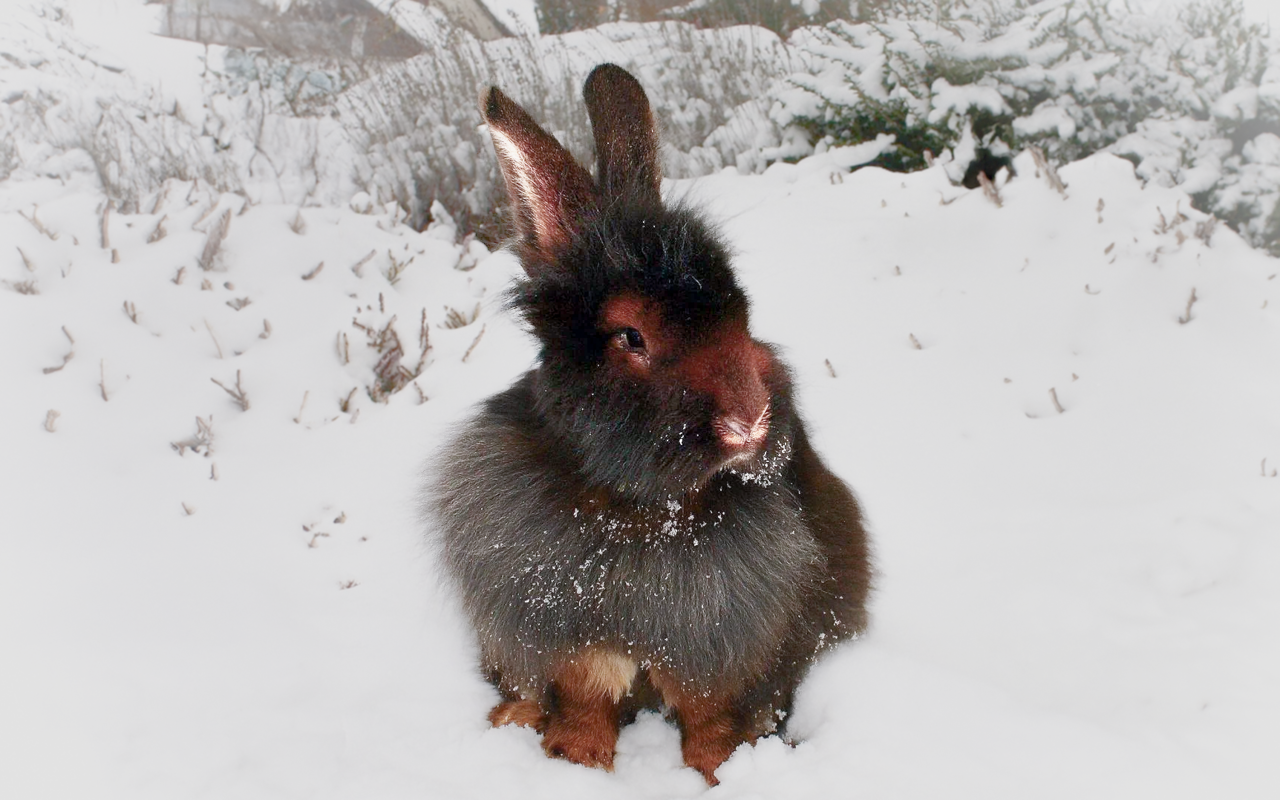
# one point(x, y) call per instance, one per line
point(209, 328)
point(422, 396)
point(341, 518)
point(830, 368)
point(70, 353)
point(214, 242)
point(159, 232)
point(180, 277)
point(1053, 395)
point(397, 268)
point(106, 224)
point(298, 225)
point(206, 285)
point(1050, 173)
point(359, 267)
point(467, 354)
point(315, 536)
point(188, 509)
point(345, 404)
point(22, 287)
point(453, 318)
point(313, 272)
point(102, 379)
point(203, 438)
point(1101, 205)
point(266, 329)
point(35, 220)
point(915, 342)
point(424, 337)
point(1087, 290)
point(238, 303)
point(26, 262)
point(989, 189)
point(213, 471)
point(238, 395)
point(1186, 317)
point(344, 348)
point(51, 421)
point(131, 311)
point(115, 256)
point(347, 585)
point(298, 419)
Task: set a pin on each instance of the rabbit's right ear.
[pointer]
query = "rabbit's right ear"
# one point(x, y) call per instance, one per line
point(552, 195)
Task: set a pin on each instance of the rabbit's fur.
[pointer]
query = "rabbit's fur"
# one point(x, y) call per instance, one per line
point(640, 521)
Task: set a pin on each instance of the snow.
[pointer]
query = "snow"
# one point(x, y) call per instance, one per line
point(1071, 603)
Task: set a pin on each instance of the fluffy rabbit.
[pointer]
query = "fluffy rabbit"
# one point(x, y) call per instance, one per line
point(640, 521)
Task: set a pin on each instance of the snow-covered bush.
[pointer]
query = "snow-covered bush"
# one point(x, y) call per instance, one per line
point(1192, 98)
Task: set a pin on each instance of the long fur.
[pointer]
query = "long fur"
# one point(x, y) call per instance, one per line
point(590, 508)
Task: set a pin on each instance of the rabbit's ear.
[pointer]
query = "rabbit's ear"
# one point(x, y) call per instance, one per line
point(625, 133)
point(551, 193)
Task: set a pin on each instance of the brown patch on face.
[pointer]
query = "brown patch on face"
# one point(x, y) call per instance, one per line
point(710, 725)
point(731, 369)
point(630, 312)
point(583, 724)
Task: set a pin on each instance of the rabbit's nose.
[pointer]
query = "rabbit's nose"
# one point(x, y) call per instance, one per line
point(738, 433)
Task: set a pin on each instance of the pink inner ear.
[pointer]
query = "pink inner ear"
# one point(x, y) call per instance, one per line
point(529, 195)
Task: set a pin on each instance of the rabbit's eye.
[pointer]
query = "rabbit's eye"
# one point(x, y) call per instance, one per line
point(633, 339)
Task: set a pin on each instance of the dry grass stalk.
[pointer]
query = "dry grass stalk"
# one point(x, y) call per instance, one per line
point(209, 328)
point(358, 269)
point(180, 277)
point(34, 219)
point(201, 440)
point(422, 396)
point(915, 342)
point(1053, 395)
point(397, 268)
point(115, 256)
point(51, 422)
point(26, 262)
point(102, 379)
point(188, 509)
point(298, 225)
point(453, 318)
point(23, 287)
point(989, 189)
point(830, 368)
point(424, 336)
point(238, 303)
point(344, 348)
point(314, 537)
point(131, 311)
point(159, 232)
point(238, 394)
point(467, 354)
point(214, 242)
point(266, 329)
point(310, 275)
point(1050, 173)
point(106, 224)
point(345, 403)
point(298, 419)
point(70, 353)
point(1186, 317)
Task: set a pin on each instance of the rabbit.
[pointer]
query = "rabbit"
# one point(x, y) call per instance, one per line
point(640, 521)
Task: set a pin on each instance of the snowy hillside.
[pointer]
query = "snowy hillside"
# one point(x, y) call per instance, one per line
point(1058, 405)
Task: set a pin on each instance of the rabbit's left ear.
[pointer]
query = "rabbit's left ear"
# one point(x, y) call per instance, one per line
point(551, 193)
point(626, 136)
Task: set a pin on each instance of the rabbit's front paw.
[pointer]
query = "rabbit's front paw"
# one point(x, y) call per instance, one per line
point(589, 741)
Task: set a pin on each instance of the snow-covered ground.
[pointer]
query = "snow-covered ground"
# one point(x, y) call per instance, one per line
point(1070, 472)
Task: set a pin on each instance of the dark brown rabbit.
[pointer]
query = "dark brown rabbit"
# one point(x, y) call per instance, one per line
point(640, 521)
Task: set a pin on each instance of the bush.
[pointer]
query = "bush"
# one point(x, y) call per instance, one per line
point(1192, 99)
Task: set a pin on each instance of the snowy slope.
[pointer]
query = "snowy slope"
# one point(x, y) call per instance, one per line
point(1074, 603)
point(1071, 603)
